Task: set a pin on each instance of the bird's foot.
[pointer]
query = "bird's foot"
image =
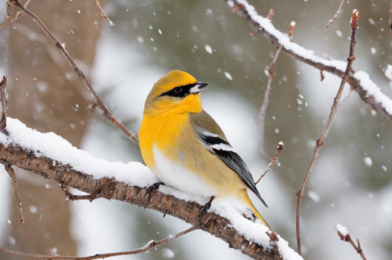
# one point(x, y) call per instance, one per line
point(204, 209)
point(151, 188)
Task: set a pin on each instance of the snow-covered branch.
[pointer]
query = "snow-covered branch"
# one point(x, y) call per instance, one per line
point(359, 81)
point(52, 157)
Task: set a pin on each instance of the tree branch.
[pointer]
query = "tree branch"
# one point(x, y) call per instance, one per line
point(40, 159)
point(360, 81)
point(279, 148)
point(334, 110)
point(150, 245)
point(97, 104)
point(17, 16)
point(345, 236)
point(12, 175)
point(103, 14)
point(337, 14)
point(263, 109)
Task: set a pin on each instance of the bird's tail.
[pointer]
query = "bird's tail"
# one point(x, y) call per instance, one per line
point(250, 205)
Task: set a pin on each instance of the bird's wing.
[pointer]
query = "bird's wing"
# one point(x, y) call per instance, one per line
point(214, 140)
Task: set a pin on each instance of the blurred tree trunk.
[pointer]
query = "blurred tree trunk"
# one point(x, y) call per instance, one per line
point(46, 94)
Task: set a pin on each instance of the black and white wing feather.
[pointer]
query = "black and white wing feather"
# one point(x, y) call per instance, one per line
point(223, 150)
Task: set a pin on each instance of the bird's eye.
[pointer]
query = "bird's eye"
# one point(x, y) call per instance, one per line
point(177, 90)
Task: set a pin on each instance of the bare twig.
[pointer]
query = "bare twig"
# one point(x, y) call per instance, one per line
point(390, 20)
point(263, 109)
point(334, 110)
point(103, 14)
point(17, 16)
point(69, 196)
point(337, 14)
point(347, 238)
point(12, 175)
point(97, 104)
point(8, 7)
point(7, 166)
point(321, 75)
point(3, 121)
point(150, 245)
point(278, 150)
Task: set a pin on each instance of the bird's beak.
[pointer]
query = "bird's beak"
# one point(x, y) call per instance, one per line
point(198, 87)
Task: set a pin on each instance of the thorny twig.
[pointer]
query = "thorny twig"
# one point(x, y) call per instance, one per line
point(263, 109)
point(12, 175)
point(358, 248)
point(337, 14)
point(150, 245)
point(97, 105)
point(17, 16)
point(334, 110)
point(103, 14)
point(278, 150)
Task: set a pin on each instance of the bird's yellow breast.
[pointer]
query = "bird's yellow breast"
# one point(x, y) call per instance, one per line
point(162, 131)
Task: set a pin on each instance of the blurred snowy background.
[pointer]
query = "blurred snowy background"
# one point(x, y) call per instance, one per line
point(351, 183)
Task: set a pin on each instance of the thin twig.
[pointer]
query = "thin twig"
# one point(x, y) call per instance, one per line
point(12, 175)
point(97, 104)
point(278, 150)
point(8, 7)
point(69, 196)
point(17, 16)
point(334, 110)
point(103, 14)
point(390, 20)
point(150, 245)
point(3, 121)
point(358, 248)
point(337, 14)
point(263, 109)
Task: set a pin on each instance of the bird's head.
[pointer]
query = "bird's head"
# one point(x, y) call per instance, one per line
point(177, 91)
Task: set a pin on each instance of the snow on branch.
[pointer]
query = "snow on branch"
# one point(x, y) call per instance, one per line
point(52, 157)
point(359, 81)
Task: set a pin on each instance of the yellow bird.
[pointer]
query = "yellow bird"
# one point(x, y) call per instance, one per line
point(187, 150)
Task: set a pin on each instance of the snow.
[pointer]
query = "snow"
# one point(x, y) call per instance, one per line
point(132, 173)
point(388, 72)
point(372, 90)
point(368, 161)
point(228, 76)
point(314, 196)
point(343, 230)
point(59, 149)
point(366, 83)
point(208, 49)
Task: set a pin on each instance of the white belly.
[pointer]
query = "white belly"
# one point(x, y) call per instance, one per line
point(177, 176)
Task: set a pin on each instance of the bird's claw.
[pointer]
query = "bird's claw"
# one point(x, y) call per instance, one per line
point(151, 188)
point(204, 210)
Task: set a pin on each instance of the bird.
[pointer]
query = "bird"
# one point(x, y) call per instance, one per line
point(187, 150)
